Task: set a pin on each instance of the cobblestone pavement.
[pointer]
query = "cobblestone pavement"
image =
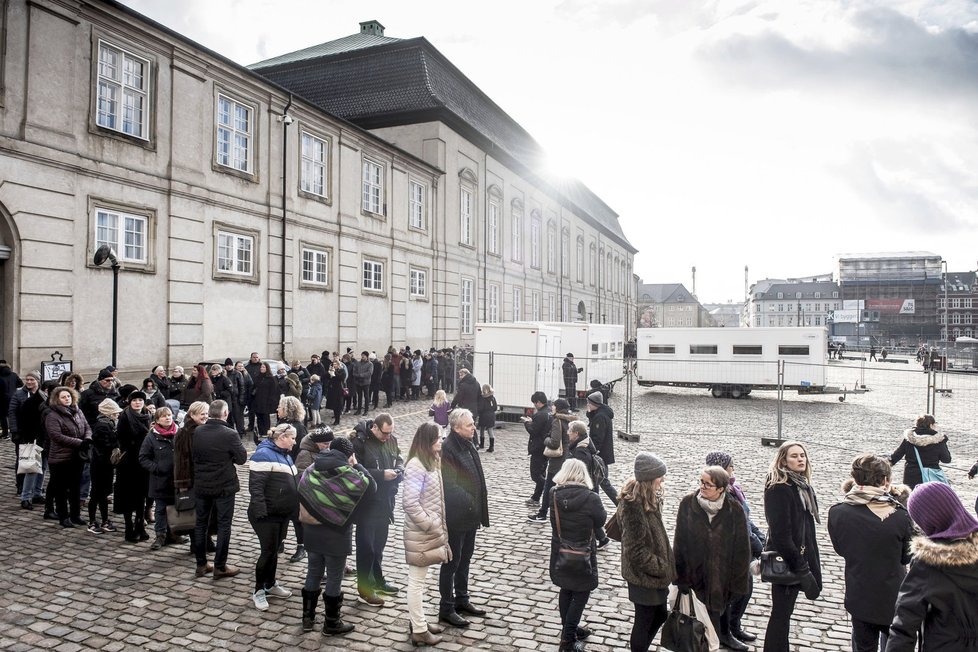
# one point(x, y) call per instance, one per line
point(69, 590)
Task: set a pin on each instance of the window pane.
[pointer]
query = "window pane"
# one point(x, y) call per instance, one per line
point(106, 229)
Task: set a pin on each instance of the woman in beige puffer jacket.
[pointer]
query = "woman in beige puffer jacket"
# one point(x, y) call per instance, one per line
point(425, 533)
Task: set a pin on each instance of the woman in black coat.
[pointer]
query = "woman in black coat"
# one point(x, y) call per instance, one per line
point(712, 549)
point(104, 441)
point(265, 401)
point(577, 514)
point(791, 510)
point(329, 546)
point(923, 440)
point(156, 457)
point(334, 390)
point(132, 480)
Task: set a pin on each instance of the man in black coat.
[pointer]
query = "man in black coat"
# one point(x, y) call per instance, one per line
point(9, 382)
point(467, 393)
point(215, 449)
point(375, 380)
point(238, 389)
point(376, 449)
point(97, 392)
point(315, 366)
point(466, 509)
point(871, 530)
point(538, 427)
point(602, 435)
point(254, 363)
point(570, 370)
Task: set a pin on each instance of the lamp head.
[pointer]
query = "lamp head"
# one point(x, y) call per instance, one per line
point(104, 253)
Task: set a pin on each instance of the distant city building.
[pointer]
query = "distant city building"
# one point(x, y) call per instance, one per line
point(792, 302)
point(669, 305)
point(890, 298)
point(724, 314)
point(962, 305)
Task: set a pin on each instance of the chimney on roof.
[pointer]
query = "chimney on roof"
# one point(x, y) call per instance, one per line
point(372, 27)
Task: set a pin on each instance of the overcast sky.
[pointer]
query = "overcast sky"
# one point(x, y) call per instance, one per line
point(725, 133)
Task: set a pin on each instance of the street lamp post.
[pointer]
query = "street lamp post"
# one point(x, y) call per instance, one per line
point(102, 254)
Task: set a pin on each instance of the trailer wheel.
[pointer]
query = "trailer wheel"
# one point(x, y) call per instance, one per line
point(717, 391)
point(736, 391)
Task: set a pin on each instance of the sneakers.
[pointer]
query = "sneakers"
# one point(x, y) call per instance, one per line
point(278, 591)
point(94, 528)
point(158, 542)
point(108, 527)
point(261, 604)
point(532, 503)
point(603, 543)
point(371, 598)
point(536, 518)
point(387, 589)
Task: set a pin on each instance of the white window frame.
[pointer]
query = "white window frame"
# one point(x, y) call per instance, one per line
point(535, 226)
point(580, 260)
point(493, 301)
point(535, 305)
point(372, 187)
point(565, 308)
point(551, 308)
point(374, 283)
point(593, 255)
point(551, 249)
point(239, 141)
point(517, 304)
point(116, 113)
point(564, 253)
point(418, 283)
point(314, 267)
point(417, 205)
point(229, 244)
point(117, 235)
point(492, 227)
point(314, 164)
point(465, 296)
point(466, 208)
point(517, 235)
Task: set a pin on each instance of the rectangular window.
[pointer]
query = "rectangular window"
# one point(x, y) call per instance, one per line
point(465, 217)
point(417, 196)
point(517, 304)
point(493, 227)
point(493, 303)
point(747, 350)
point(660, 349)
point(792, 350)
point(564, 255)
point(966, 303)
point(967, 319)
point(594, 265)
point(122, 102)
point(517, 236)
point(465, 304)
point(535, 306)
point(315, 266)
point(955, 318)
point(564, 309)
point(551, 249)
point(534, 242)
point(373, 188)
point(234, 253)
point(234, 134)
point(419, 283)
point(314, 153)
point(818, 320)
point(955, 302)
point(373, 276)
point(125, 233)
point(580, 261)
point(551, 308)
point(703, 349)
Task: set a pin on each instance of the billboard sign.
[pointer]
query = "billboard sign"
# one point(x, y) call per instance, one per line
point(845, 316)
point(892, 306)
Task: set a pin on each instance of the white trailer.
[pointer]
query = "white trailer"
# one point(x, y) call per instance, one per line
point(599, 349)
point(732, 361)
point(517, 360)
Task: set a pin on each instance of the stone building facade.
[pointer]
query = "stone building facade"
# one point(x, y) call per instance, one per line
point(243, 216)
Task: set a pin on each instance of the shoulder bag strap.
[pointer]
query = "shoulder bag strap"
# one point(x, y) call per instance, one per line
point(920, 464)
point(557, 516)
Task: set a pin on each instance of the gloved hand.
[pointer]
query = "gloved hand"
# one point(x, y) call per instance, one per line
point(810, 586)
point(973, 472)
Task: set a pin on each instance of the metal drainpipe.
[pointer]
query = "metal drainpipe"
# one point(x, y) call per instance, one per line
point(286, 121)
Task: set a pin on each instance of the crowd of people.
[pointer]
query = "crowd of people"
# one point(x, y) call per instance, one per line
point(179, 475)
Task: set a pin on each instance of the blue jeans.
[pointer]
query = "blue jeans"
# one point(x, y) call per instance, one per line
point(34, 482)
point(160, 511)
point(224, 507)
point(332, 566)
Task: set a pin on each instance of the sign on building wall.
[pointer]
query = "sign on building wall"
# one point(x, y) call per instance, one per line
point(892, 306)
point(845, 316)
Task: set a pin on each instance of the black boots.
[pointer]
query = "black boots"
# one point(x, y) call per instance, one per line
point(334, 624)
point(310, 600)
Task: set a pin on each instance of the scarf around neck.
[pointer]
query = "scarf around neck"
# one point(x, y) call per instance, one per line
point(711, 507)
point(878, 500)
point(806, 493)
point(168, 432)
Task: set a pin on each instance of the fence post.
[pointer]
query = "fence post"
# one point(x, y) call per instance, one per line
point(626, 434)
point(767, 441)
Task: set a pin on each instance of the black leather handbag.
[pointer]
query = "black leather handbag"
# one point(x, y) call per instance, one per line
point(774, 569)
point(682, 632)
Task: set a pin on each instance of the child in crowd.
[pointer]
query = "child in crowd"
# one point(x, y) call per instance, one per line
point(315, 399)
point(440, 408)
